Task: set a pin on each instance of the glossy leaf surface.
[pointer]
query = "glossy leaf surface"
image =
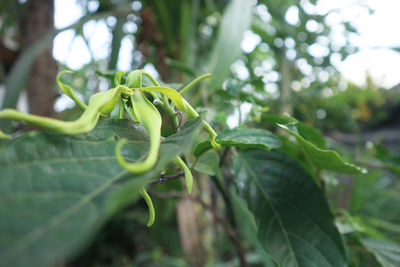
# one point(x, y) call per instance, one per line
point(387, 253)
point(242, 137)
point(321, 158)
point(293, 222)
point(57, 190)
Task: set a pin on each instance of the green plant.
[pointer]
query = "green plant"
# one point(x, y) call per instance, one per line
point(270, 192)
point(131, 98)
point(256, 173)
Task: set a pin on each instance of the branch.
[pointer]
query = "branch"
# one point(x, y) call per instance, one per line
point(231, 233)
point(166, 178)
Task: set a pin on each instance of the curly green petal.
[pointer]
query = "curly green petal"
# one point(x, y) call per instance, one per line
point(134, 79)
point(188, 174)
point(149, 203)
point(85, 123)
point(114, 97)
point(171, 93)
point(118, 78)
point(66, 89)
point(147, 114)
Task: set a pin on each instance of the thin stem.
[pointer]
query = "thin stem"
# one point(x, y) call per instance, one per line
point(151, 78)
point(171, 112)
point(225, 197)
point(192, 83)
point(167, 107)
point(230, 232)
point(221, 188)
point(166, 178)
point(154, 95)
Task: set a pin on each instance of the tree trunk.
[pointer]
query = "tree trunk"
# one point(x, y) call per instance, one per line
point(37, 20)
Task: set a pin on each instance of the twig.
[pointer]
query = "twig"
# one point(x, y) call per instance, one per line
point(166, 178)
point(232, 222)
point(220, 187)
point(231, 233)
point(225, 197)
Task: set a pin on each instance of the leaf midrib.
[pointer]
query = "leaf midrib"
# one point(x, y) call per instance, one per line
point(336, 155)
point(276, 214)
point(57, 219)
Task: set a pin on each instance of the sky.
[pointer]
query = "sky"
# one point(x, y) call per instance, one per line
point(377, 32)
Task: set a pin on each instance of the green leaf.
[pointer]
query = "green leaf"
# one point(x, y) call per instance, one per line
point(171, 93)
point(208, 163)
point(386, 252)
point(323, 159)
point(312, 135)
point(247, 226)
point(249, 138)
point(235, 21)
point(294, 224)
point(277, 119)
point(57, 190)
point(242, 137)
